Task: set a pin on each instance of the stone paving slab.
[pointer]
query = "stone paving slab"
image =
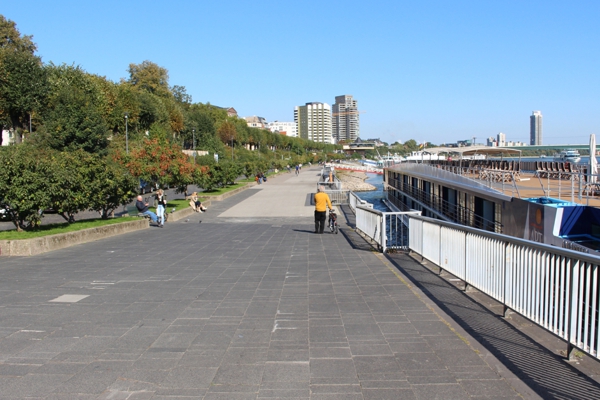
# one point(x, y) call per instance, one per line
point(225, 306)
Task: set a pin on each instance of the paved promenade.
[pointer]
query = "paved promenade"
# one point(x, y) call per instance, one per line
point(245, 302)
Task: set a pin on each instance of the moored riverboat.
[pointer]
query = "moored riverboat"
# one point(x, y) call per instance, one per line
point(568, 155)
point(442, 194)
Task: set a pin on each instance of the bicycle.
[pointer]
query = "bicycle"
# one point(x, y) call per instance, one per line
point(333, 225)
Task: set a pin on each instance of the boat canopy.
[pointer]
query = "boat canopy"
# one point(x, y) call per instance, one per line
point(475, 150)
point(493, 151)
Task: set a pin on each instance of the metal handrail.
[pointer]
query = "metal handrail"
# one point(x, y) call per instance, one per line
point(556, 288)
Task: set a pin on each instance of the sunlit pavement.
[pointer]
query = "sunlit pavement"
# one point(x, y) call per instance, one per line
point(249, 304)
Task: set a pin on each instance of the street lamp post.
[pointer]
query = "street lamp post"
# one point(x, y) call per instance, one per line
point(231, 147)
point(126, 134)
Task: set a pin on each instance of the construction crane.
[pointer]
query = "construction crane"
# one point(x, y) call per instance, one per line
point(347, 113)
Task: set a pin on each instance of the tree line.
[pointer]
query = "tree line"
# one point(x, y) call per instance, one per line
point(84, 142)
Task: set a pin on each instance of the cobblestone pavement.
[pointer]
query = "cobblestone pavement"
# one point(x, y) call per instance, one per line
point(240, 305)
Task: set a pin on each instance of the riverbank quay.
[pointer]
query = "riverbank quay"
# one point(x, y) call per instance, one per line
point(354, 181)
point(242, 302)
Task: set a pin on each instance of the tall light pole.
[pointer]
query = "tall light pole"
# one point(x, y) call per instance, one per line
point(231, 147)
point(126, 134)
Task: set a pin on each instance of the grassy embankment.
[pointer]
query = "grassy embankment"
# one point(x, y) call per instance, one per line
point(53, 229)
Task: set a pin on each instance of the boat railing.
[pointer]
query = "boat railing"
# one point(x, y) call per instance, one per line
point(439, 206)
point(558, 289)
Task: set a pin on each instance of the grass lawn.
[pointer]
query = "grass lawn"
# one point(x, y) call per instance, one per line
point(53, 229)
point(216, 192)
point(178, 204)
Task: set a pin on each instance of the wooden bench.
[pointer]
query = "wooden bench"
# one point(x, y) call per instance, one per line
point(132, 211)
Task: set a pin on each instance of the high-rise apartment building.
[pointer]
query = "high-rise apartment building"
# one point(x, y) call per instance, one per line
point(345, 120)
point(313, 122)
point(535, 128)
point(501, 140)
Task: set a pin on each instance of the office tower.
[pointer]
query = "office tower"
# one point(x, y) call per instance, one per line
point(313, 122)
point(345, 119)
point(535, 128)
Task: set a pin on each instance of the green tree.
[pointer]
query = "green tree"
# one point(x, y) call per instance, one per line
point(150, 77)
point(158, 162)
point(68, 179)
point(230, 171)
point(110, 185)
point(10, 38)
point(23, 82)
point(75, 116)
point(411, 145)
point(24, 188)
point(250, 169)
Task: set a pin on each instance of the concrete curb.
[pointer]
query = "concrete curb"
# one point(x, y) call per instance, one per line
point(31, 247)
point(180, 214)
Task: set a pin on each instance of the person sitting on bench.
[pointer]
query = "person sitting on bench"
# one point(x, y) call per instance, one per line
point(143, 208)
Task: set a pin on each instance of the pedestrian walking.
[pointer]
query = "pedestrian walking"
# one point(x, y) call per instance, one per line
point(322, 203)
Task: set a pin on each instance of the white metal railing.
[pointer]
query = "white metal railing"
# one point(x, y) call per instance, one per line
point(387, 229)
point(355, 201)
point(338, 197)
point(330, 184)
point(556, 288)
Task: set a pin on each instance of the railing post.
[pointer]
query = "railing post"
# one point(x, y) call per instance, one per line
point(504, 306)
point(570, 347)
point(383, 233)
point(465, 258)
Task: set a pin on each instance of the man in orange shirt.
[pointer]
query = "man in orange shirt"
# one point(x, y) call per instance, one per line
point(322, 202)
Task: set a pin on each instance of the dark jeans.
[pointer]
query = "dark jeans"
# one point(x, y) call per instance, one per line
point(320, 217)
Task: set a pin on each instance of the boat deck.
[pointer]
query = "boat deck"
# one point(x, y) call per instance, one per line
point(530, 185)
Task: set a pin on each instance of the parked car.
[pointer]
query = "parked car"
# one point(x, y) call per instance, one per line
point(3, 214)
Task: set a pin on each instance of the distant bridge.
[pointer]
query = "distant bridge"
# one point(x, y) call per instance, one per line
point(554, 147)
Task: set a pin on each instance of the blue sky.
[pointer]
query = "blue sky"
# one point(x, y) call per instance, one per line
point(437, 71)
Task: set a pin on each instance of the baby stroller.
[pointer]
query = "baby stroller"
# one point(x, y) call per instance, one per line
point(333, 225)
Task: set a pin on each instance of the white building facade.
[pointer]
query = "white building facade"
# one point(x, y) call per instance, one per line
point(313, 122)
point(283, 128)
point(7, 138)
point(345, 119)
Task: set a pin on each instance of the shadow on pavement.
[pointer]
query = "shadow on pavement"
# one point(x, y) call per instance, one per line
point(548, 374)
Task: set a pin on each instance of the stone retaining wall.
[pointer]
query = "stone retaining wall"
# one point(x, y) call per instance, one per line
point(31, 247)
